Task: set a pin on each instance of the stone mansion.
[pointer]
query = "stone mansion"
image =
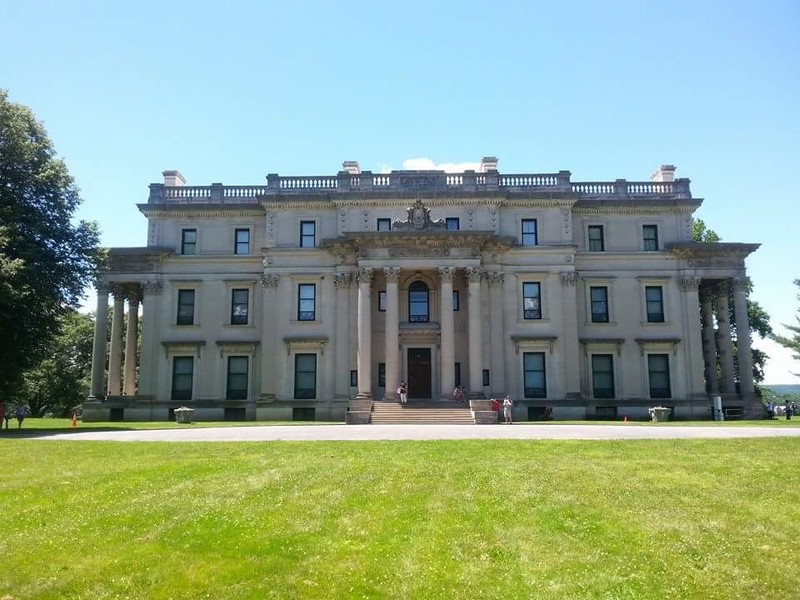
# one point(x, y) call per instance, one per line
point(308, 297)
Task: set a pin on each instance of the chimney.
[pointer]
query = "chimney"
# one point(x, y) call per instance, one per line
point(173, 178)
point(351, 166)
point(488, 163)
point(665, 173)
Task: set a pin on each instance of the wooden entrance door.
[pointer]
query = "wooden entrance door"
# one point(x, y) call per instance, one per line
point(419, 372)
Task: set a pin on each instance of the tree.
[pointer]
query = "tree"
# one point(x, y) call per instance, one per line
point(46, 260)
point(61, 380)
point(756, 315)
point(791, 342)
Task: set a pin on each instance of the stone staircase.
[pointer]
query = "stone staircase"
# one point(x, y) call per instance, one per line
point(421, 412)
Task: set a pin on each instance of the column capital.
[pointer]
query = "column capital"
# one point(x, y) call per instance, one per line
point(741, 284)
point(134, 294)
point(151, 287)
point(568, 278)
point(118, 291)
point(474, 274)
point(364, 275)
point(689, 284)
point(342, 280)
point(447, 273)
point(270, 280)
point(495, 277)
point(102, 287)
point(392, 274)
point(723, 288)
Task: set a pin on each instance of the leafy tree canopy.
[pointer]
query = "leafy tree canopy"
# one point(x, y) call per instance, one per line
point(792, 342)
point(46, 259)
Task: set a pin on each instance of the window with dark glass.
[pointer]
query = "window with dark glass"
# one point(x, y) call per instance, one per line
point(486, 377)
point(306, 302)
point(456, 301)
point(236, 388)
point(535, 381)
point(654, 296)
point(182, 375)
point(185, 307)
point(384, 224)
point(305, 376)
point(418, 302)
point(382, 375)
point(650, 237)
point(457, 373)
point(452, 223)
point(189, 241)
point(529, 234)
point(531, 300)
point(658, 372)
point(353, 378)
point(242, 241)
point(603, 376)
point(308, 234)
point(240, 301)
point(599, 300)
point(382, 301)
point(596, 239)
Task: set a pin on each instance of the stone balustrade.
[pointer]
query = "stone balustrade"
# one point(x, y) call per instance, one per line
point(419, 182)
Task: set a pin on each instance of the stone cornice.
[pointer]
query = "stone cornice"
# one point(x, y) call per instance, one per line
point(202, 211)
point(417, 243)
point(636, 207)
point(128, 260)
point(712, 254)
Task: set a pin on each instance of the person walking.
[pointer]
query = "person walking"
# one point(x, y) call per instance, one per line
point(507, 404)
point(770, 410)
point(20, 414)
point(788, 409)
point(458, 395)
point(402, 393)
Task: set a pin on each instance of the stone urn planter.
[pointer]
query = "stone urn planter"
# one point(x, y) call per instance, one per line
point(184, 414)
point(659, 414)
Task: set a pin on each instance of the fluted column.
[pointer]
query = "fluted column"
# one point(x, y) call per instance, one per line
point(270, 382)
point(695, 375)
point(392, 333)
point(571, 353)
point(115, 355)
point(496, 333)
point(741, 287)
point(725, 341)
point(475, 343)
point(709, 341)
point(342, 347)
point(148, 354)
point(364, 333)
point(131, 342)
point(99, 345)
point(447, 357)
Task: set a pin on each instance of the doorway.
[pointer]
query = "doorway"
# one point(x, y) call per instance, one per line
point(419, 373)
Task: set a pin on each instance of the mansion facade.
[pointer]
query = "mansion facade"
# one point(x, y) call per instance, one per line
point(309, 298)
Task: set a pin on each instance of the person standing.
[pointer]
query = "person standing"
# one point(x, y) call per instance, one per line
point(20, 414)
point(402, 393)
point(789, 409)
point(507, 404)
point(458, 395)
point(770, 410)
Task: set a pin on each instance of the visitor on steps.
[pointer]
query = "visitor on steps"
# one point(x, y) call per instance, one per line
point(507, 404)
point(402, 393)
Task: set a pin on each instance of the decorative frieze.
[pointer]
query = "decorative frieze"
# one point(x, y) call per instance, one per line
point(419, 218)
point(568, 278)
point(151, 287)
point(495, 277)
point(689, 284)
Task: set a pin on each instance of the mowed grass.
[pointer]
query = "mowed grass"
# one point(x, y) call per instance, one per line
point(449, 519)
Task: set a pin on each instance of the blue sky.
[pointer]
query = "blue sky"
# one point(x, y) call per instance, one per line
point(606, 90)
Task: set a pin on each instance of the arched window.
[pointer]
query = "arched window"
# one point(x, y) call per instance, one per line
point(418, 303)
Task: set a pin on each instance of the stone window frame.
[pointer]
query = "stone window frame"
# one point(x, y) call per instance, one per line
point(608, 283)
point(301, 220)
point(186, 285)
point(538, 295)
point(614, 374)
point(663, 283)
point(520, 225)
point(383, 221)
point(236, 242)
point(381, 301)
point(239, 284)
point(184, 231)
point(454, 220)
point(603, 225)
point(182, 349)
point(643, 239)
point(536, 344)
point(541, 279)
point(648, 372)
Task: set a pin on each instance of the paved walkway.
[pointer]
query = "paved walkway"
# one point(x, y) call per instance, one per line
point(420, 432)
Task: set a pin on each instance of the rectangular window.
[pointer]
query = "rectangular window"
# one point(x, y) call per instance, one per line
point(529, 235)
point(599, 300)
point(308, 234)
point(486, 377)
point(381, 301)
point(650, 237)
point(237, 378)
point(305, 376)
point(382, 375)
point(189, 241)
point(596, 239)
point(456, 301)
point(242, 244)
point(306, 302)
point(603, 375)
point(457, 373)
point(531, 301)
point(182, 375)
point(535, 381)
point(654, 296)
point(384, 224)
point(353, 378)
point(452, 224)
point(658, 372)
point(240, 305)
point(185, 307)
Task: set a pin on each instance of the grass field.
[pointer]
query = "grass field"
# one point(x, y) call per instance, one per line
point(449, 519)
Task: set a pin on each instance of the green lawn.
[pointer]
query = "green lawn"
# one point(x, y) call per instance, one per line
point(450, 519)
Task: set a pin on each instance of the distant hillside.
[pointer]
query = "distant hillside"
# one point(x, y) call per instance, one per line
point(786, 388)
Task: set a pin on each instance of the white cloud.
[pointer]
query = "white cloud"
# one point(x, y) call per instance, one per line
point(426, 164)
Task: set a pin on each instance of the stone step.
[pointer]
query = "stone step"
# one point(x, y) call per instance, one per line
point(421, 413)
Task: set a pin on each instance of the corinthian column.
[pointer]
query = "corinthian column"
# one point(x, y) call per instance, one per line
point(342, 347)
point(131, 339)
point(741, 286)
point(475, 347)
point(725, 341)
point(447, 333)
point(99, 345)
point(496, 332)
point(115, 356)
point(364, 334)
point(392, 333)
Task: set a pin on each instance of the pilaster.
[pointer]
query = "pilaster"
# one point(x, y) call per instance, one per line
point(447, 333)
point(474, 275)
point(496, 332)
point(392, 333)
point(364, 353)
